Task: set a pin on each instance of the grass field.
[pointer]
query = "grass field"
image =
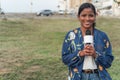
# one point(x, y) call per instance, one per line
point(30, 49)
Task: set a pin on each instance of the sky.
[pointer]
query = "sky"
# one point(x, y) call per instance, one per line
point(26, 5)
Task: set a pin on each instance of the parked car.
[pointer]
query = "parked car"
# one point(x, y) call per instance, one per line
point(71, 12)
point(1, 11)
point(46, 12)
point(61, 12)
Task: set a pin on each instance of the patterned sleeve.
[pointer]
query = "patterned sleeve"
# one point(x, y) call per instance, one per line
point(69, 52)
point(105, 58)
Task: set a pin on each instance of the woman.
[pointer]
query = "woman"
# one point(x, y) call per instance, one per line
point(87, 61)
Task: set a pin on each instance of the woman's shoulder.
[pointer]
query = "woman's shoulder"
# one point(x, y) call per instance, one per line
point(72, 33)
point(100, 33)
point(75, 30)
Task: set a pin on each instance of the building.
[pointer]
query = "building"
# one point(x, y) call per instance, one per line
point(116, 7)
point(74, 4)
point(108, 7)
point(71, 5)
point(105, 7)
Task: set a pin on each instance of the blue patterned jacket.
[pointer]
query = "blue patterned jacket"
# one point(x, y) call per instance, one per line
point(73, 43)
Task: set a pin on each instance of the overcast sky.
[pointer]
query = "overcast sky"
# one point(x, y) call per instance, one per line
point(25, 5)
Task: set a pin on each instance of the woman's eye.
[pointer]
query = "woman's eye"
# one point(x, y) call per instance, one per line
point(83, 15)
point(91, 15)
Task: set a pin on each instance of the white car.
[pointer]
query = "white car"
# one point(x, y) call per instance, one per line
point(61, 12)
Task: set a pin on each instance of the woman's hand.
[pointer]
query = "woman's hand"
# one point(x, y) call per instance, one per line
point(88, 51)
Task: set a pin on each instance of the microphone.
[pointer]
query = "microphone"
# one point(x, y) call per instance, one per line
point(88, 38)
point(89, 61)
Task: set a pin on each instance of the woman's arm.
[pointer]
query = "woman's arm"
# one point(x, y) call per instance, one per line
point(70, 55)
point(105, 58)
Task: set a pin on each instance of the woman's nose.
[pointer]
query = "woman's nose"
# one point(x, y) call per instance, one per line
point(87, 17)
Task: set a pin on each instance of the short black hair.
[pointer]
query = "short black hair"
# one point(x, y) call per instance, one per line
point(86, 5)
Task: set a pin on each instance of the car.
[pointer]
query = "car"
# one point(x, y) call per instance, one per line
point(1, 11)
point(45, 12)
point(71, 12)
point(61, 12)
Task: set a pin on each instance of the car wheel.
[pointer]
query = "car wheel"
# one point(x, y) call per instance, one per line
point(50, 14)
point(47, 14)
point(2, 13)
point(41, 15)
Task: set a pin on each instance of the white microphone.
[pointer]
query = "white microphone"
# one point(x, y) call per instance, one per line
point(88, 38)
point(89, 62)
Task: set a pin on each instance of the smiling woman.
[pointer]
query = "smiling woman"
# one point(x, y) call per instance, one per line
point(87, 61)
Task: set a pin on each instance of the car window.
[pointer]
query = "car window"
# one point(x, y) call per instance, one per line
point(47, 10)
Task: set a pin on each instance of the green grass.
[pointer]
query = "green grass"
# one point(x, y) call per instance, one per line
point(30, 49)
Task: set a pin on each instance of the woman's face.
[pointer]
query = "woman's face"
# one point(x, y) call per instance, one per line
point(87, 18)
